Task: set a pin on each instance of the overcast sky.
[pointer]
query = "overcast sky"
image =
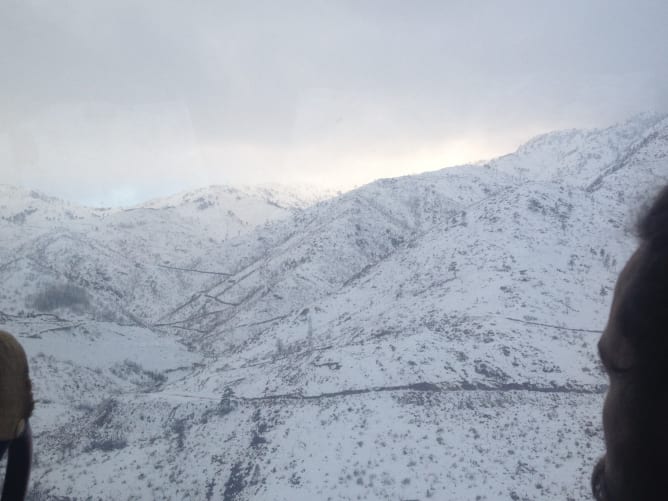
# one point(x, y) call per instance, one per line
point(110, 102)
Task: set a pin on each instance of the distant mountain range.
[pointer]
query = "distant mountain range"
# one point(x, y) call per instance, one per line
point(424, 337)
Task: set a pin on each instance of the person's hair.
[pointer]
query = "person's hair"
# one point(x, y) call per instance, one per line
point(652, 226)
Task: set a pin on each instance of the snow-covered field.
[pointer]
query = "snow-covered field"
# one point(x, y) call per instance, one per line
point(425, 337)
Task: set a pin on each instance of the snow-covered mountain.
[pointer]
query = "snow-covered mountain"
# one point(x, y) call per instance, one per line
point(425, 337)
point(126, 259)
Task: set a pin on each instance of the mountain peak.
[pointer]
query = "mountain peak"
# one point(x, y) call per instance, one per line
point(577, 157)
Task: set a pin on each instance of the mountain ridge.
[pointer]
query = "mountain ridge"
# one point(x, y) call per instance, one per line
point(430, 336)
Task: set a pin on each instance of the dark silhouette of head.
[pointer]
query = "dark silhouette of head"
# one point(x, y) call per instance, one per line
point(634, 351)
point(16, 406)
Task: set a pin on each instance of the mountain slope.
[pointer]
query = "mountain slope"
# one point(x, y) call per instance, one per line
point(430, 336)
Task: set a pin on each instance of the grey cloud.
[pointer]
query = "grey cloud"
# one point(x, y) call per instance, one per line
point(353, 76)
